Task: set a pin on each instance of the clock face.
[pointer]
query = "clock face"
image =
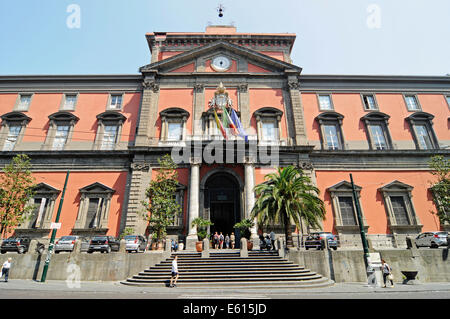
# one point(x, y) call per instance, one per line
point(221, 63)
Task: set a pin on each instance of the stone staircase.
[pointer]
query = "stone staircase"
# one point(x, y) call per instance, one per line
point(227, 269)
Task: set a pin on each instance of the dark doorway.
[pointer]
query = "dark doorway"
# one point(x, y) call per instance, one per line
point(222, 199)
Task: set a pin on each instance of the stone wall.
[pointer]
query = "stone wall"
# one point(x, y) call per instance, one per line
point(348, 265)
point(114, 266)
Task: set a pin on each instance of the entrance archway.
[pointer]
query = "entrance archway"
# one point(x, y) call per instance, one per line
point(222, 202)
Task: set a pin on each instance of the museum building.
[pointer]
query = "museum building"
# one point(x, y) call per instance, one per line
point(110, 130)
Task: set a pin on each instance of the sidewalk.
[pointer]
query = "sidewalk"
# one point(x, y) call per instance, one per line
point(53, 289)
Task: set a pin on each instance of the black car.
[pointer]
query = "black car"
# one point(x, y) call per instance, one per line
point(103, 244)
point(19, 244)
point(316, 240)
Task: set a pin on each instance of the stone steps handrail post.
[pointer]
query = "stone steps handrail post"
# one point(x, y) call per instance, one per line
point(205, 251)
point(244, 250)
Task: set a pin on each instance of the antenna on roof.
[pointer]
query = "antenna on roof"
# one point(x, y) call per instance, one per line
point(220, 9)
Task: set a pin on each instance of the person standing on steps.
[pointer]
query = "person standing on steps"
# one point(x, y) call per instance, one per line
point(216, 240)
point(233, 240)
point(174, 278)
point(387, 273)
point(227, 241)
point(5, 268)
point(221, 239)
point(272, 239)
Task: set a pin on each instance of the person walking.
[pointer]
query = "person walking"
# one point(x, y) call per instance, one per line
point(233, 240)
point(272, 239)
point(221, 239)
point(227, 241)
point(216, 240)
point(387, 273)
point(5, 268)
point(174, 277)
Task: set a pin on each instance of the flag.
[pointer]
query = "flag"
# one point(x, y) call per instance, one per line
point(238, 125)
point(219, 125)
point(228, 122)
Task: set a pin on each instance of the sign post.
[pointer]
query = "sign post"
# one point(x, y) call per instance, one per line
point(55, 226)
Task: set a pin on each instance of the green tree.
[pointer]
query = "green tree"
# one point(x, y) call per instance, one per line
point(16, 190)
point(288, 195)
point(440, 167)
point(202, 226)
point(162, 207)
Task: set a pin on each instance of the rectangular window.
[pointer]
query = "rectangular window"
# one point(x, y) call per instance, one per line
point(62, 132)
point(411, 103)
point(24, 102)
point(11, 139)
point(399, 207)
point(39, 211)
point(331, 137)
point(369, 102)
point(93, 212)
point(423, 137)
point(116, 101)
point(69, 101)
point(109, 137)
point(269, 131)
point(347, 211)
point(174, 131)
point(378, 138)
point(325, 102)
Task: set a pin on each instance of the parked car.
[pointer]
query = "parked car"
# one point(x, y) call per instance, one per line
point(314, 240)
point(135, 243)
point(65, 243)
point(103, 244)
point(19, 244)
point(432, 239)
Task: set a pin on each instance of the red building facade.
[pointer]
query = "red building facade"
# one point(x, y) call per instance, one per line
point(110, 131)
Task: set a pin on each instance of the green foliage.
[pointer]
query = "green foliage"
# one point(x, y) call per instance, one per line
point(162, 207)
point(202, 225)
point(440, 167)
point(126, 231)
point(244, 227)
point(286, 196)
point(16, 190)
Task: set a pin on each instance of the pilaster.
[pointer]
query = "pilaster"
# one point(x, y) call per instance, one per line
point(147, 118)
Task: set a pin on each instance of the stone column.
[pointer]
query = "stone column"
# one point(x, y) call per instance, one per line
point(250, 200)
point(297, 111)
point(194, 187)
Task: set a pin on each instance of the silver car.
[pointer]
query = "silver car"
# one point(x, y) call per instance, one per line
point(432, 239)
point(135, 243)
point(65, 243)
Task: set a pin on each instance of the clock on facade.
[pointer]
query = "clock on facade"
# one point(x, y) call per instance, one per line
point(221, 63)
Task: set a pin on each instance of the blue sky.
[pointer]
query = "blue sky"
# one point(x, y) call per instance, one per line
point(392, 37)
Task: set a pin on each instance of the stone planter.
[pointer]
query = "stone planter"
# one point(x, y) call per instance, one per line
point(199, 246)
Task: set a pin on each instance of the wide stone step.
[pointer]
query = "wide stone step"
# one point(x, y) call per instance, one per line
point(228, 267)
point(244, 276)
point(235, 270)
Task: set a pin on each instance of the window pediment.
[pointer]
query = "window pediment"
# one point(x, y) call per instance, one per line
point(97, 188)
point(420, 116)
point(376, 116)
point(344, 186)
point(396, 186)
point(268, 112)
point(15, 117)
point(43, 188)
point(330, 116)
point(111, 116)
point(63, 116)
point(174, 112)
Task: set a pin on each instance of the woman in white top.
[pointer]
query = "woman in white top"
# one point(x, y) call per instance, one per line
point(386, 272)
point(174, 278)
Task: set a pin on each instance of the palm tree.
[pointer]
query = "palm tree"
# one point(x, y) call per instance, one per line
point(286, 196)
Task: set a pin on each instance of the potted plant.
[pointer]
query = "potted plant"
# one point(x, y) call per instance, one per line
point(244, 227)
point(202, 233)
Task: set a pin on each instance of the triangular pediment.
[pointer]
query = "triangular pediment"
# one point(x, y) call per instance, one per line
point(96, 188)
point(396, 185)
point(45, 188)
point(255, 62)
point(344, 186)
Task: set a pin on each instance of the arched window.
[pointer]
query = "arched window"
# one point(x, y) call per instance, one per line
point(330, 124)
point(421, 125)
point(173, 124)
point(268, 124)
point(12, 129)
point(377, 131)
point(60, 130)
point(109, 130)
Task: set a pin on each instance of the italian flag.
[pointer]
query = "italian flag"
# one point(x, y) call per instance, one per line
point(228, 122)
point(219, 125)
